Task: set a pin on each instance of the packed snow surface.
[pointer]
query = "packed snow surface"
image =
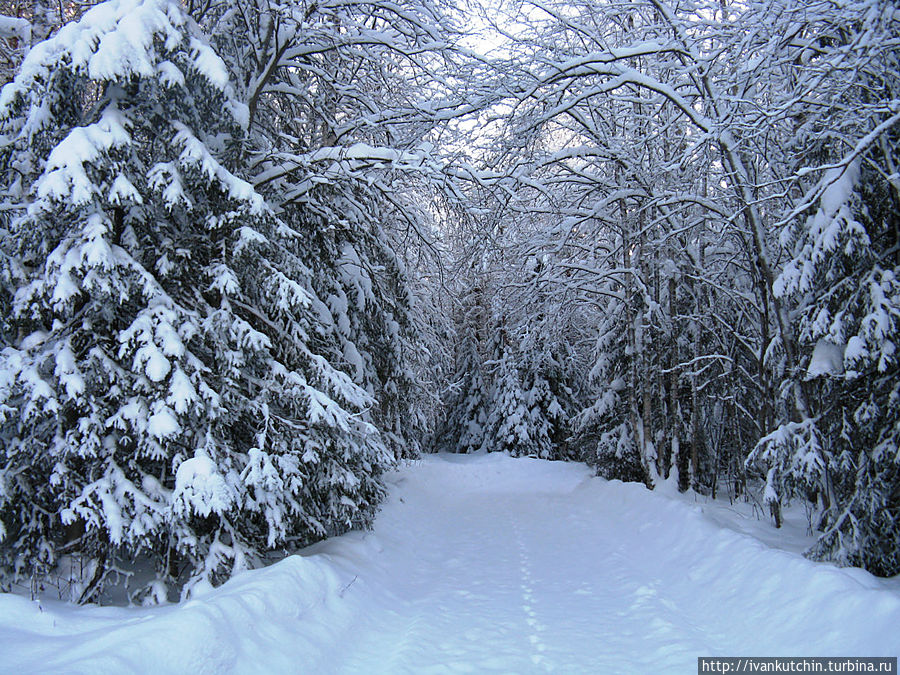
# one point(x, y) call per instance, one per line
point(486, 563)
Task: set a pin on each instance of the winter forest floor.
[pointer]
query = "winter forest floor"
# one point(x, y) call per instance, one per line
point(490, 564)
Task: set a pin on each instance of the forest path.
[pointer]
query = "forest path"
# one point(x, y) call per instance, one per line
point(490, 564)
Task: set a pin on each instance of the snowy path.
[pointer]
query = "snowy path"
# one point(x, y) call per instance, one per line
point(488, 564)
point(508, 581)
point(526, 566)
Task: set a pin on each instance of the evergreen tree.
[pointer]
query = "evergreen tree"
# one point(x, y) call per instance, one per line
point(844, 451)
point(368, 312)
point(163, 389)
point(529, 405)
point(509, 423)
point(464, 425)
point(603, 429)
point(464, 416)
point(338, 131)
point(839, 444)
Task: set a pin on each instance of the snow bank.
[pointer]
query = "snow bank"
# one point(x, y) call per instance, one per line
point(756, 600)
point(284, 618)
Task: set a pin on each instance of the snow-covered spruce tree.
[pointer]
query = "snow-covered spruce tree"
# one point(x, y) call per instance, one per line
point(464, 423)
point(530, 415)
point(161, 390)
point(528, 411)
point(546, 379)
point(366, 309)
point(341, 97)
point(840, 444)
point(509, 423)
point(539, 374)
point(603, 429)
point(844, 452)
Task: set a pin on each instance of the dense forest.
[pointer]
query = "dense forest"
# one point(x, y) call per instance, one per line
point(254, 253)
